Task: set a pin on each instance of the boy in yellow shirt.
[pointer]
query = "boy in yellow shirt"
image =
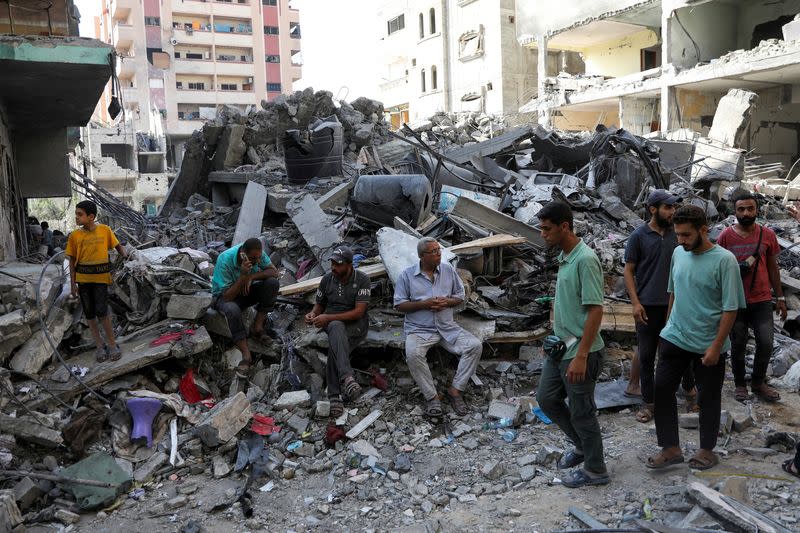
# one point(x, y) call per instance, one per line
point(90, 274)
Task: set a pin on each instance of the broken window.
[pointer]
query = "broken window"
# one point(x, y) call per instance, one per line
point(422, 78)
point(470, 44)
point(434, 78)
point(432, 23)
point(297, 58)
point(273, 59)
point(396, 24)
point(421, 26)
point(294, 30)
point(120, 153)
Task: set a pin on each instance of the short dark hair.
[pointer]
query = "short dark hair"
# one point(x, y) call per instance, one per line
point(556, 212)
point(88, 206)
point(44, 224)
point(740, 195)
point(690, 214)
point(253, 243)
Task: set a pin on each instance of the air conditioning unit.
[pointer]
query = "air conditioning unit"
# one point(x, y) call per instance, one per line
point(249, 80)
point(189, 30)
point(207, 55)
point(173, 41)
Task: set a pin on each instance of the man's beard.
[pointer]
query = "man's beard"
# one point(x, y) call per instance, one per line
point(663, 222)
point(694, 245)
point(746, 221)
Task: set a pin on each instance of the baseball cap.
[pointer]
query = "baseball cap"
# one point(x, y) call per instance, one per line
point(660, 196)
point(342, 254)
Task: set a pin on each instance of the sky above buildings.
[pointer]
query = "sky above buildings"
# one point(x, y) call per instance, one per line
point(340, 42)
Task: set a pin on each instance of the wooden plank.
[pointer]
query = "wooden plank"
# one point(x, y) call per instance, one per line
point(365, 422)
point(377, 270)
point(518, 337)
point(618, 317)
point(586, 518)
point(496, 221)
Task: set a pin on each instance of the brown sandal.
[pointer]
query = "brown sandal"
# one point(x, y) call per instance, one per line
point(645, 413)
point(657, 462)
point(458, 404)
point(337, 408)
point(740, 394)
point(766, 393)
point(702, 462)
point(243, 370)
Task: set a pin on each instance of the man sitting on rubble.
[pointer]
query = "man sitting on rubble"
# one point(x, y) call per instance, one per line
point(244, 277)
point(647, 258)
point(341, 310)
point(705, 294)
point(427, 292)
point(756, 249)
point(574, 358)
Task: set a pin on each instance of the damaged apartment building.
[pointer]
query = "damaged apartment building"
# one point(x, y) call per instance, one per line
point(50, 80)
point(664, 65)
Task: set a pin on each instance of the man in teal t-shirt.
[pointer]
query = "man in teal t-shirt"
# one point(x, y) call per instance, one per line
point(577, 313)
point(705, 294)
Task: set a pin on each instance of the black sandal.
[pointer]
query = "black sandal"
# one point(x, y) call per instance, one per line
point(787, 467)
point(458, 404)
point(434, 408)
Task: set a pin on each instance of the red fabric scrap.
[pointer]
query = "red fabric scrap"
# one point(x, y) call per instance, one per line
point(264, 425)
point(333, 434)
point(189, 389)
point(171, 337)
point(379, 381)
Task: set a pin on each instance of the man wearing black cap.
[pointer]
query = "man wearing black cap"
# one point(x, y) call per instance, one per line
point(647, 259)
point(341, 310)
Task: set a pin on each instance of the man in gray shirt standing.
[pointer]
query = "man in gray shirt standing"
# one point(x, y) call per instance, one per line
point(427, 292)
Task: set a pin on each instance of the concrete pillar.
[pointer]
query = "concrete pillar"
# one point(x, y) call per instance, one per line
point(541, 74)
point(667, 92)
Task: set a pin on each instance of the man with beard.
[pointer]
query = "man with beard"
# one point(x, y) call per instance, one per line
point(341, 310)
point(647, 258)
point(705, 294)
point(756, 249)
point(571, 370)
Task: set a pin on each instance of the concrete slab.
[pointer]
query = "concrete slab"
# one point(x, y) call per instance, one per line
point(496, 222)
point(336, 197)
point(732, 116)
point(315, 227)
point(251, 213)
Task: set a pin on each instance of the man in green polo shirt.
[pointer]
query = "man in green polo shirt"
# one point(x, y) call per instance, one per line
point(572, 372)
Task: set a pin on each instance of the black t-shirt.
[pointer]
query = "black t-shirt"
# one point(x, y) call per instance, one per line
point(336, 297)
point(652, 254)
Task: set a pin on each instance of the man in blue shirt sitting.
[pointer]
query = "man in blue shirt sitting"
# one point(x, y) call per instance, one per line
point(244, 277)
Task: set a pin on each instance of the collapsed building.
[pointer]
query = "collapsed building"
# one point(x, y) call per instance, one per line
point(306, 173)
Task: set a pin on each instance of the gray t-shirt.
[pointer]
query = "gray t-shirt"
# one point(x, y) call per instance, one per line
point(652, 254)
point(336, 297)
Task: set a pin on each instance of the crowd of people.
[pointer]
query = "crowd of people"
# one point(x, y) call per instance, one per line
point(694, 303)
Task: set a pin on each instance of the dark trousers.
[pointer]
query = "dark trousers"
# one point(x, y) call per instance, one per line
point(672, 364)
point(647, 339)
point(94, 299)
point(342, 340)
point(262, 294)
point(579, 420)
point(759, 317)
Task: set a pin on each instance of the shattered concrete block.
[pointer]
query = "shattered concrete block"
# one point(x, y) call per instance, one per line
point(10, 516)
point(30, 430)
point(66, 517)
point(499, 409)
point(231, 148)
point(188, 306)
point(251, 214)
point(305, 450)
point(315, 227)
point(292, 399)
point(232, 357)
point(363, 447)
point(221, 467)
point(224, 420)
point(298, 423)
point(689, 420)
point(323, 409)
point(732, 116)
point(492, 470)
point(26, 493)
point(146, 470)
point(37, 351)
point(527, 473)
point(548, 454)
point(526, 460)
point(6, 388)
point(725, 422)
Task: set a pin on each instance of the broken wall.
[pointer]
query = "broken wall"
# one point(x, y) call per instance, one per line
point(520, 68)
point(579, 120)
point(754, 15)
point(712, 27)
point(695, 110)
point(619, 57)
point(7, 185)
point(774, 132)
point(640, 116)
point(562, 14)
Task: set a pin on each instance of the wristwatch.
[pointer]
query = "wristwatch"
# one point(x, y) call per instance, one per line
point(781, 298)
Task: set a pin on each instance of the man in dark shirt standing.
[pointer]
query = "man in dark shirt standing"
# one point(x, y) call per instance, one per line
point(647, 259)
point(341, 310)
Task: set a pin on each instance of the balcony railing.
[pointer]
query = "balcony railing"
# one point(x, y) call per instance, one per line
point(234, 59)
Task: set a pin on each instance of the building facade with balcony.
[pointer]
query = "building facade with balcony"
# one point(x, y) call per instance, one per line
point(50, 81)
point(186, 58)
point(452, 56)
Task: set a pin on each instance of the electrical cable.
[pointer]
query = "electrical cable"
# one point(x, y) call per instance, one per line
point(41, 386)
point(689, 35)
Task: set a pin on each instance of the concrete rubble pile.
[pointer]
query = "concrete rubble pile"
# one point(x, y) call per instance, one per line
point(473, 182)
